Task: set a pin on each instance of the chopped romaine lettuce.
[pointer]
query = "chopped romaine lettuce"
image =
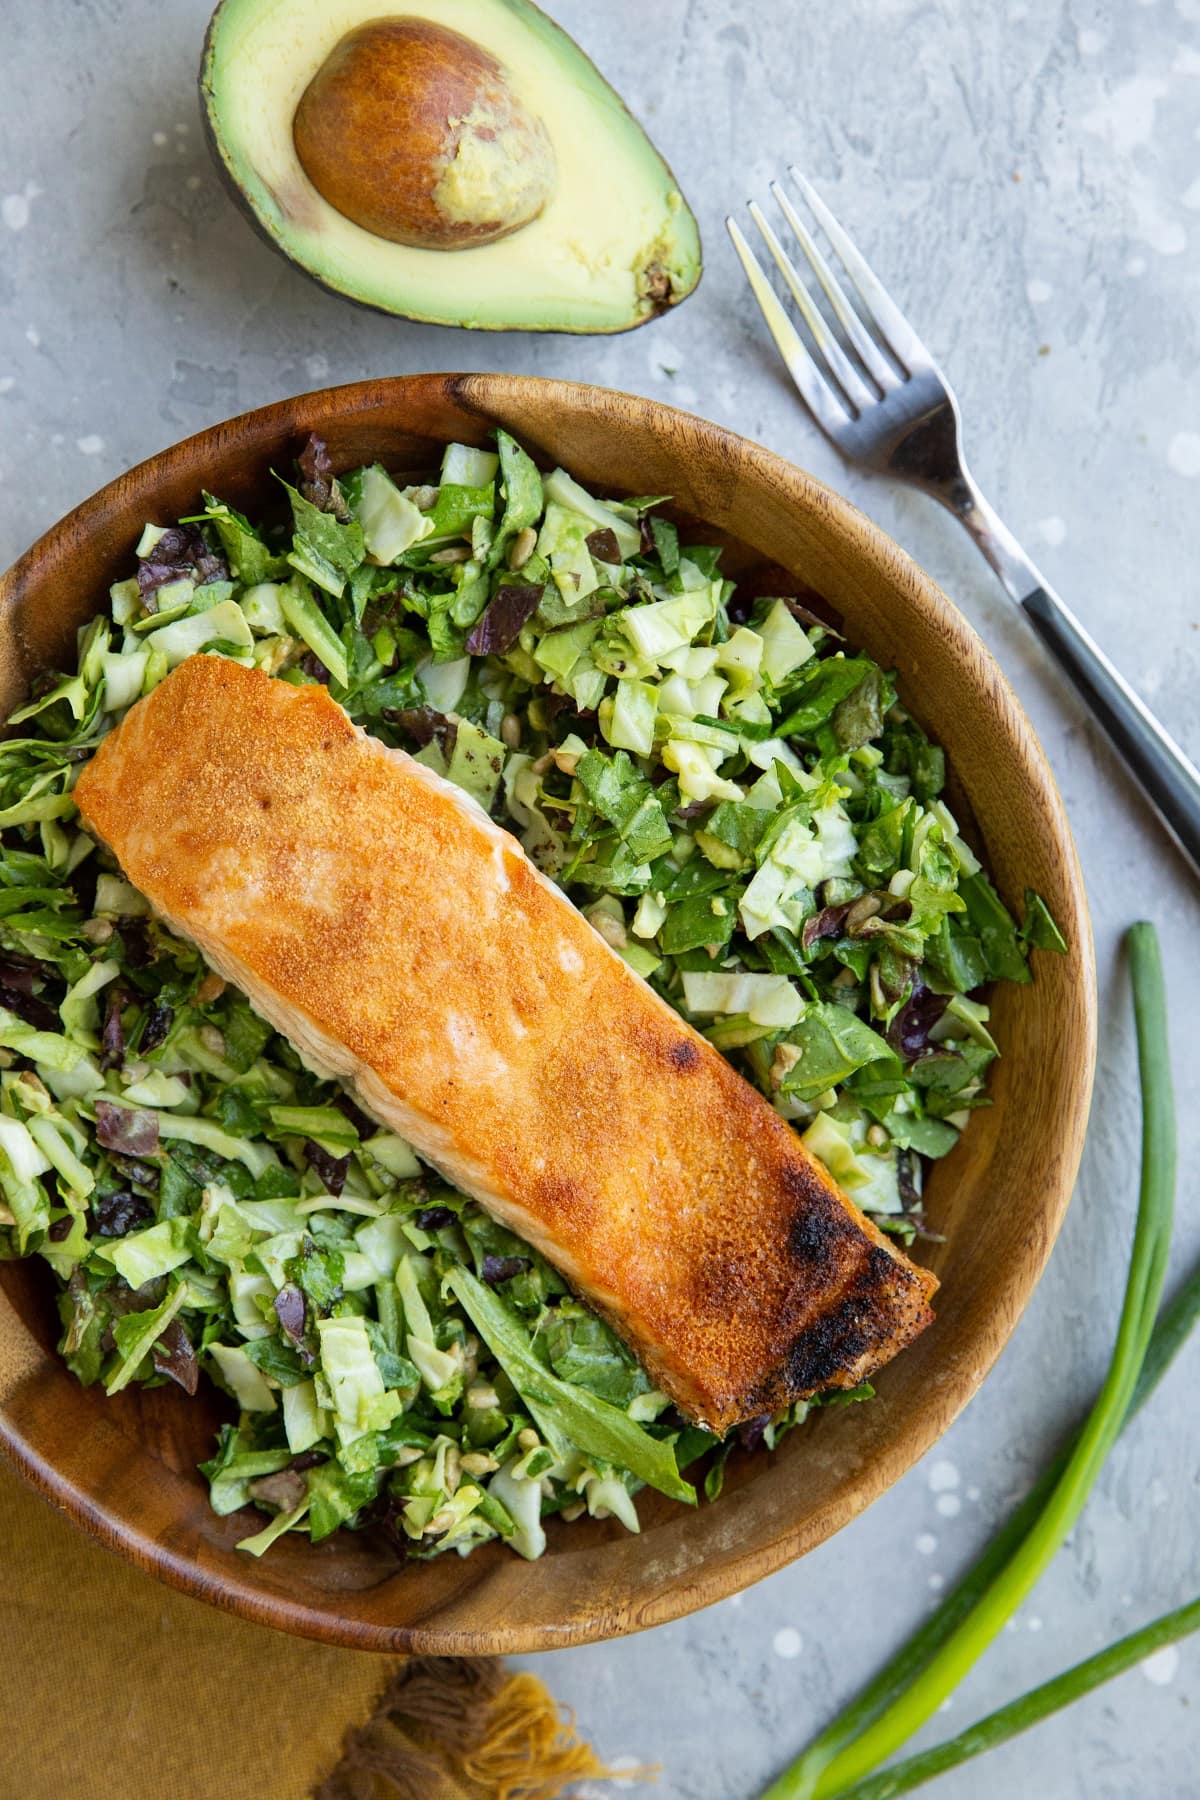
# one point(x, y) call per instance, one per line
point(391, 524)
point(463, 466)
point(568, 1415)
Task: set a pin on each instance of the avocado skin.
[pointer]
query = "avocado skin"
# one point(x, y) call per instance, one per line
point(229, 181)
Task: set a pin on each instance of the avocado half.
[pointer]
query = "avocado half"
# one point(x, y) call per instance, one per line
point(611, 243)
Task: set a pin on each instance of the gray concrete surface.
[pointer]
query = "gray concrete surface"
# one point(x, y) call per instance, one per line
point(1028, 177)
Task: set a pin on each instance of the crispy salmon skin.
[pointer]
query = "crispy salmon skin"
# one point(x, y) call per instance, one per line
point(406, 945)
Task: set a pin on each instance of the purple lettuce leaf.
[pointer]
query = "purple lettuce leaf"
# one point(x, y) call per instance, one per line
point(500, 627)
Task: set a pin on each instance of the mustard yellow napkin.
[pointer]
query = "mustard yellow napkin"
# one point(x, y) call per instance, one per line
point(116, 1685)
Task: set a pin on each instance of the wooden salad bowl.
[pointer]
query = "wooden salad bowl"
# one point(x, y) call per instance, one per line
point(125, 1469)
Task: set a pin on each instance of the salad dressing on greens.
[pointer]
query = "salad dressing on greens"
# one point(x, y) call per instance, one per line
point(734, 798)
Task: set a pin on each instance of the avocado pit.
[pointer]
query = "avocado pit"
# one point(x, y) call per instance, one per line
point(363, 137)
point(414, 133)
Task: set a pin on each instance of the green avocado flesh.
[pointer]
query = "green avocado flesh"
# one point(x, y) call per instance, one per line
point(614, 245)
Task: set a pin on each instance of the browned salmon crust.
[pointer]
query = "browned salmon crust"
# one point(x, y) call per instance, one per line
point(406, 944)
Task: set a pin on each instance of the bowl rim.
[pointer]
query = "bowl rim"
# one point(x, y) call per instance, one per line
point(483, 395)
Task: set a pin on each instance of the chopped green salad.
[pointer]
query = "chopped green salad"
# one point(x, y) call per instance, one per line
point(735, 799)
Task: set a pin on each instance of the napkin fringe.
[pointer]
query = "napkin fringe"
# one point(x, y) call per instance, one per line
point(463, 1728)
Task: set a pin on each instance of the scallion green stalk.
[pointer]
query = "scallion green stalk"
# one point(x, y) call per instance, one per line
point(1030, 1709)
point(1174, 1326)
point(929, 1668)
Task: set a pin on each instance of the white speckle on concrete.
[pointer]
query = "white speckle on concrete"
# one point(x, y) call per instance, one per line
point(1035, 1624)
point(33, 336)
point(1162, 1666)
point(973, 1493)
point(14, 208)
point(1125, 117)
point(925, 1543)
point(159, 139)
point(942, 1476)
point(1037, 291)
point(1136, 266)
point(91, 445)
point(949, 1505)
point(192, 183)
point(1163, 234)
point(1052, 530)
point(1154, 222)
point(1183, 453)
point(316, 366)
point(787, 1643)
point(182, 127)
point(937, 1583)
point(7, 383)
point(1091, 43)
point(947, 1703)
point(623, 1767)
point(735, 1600)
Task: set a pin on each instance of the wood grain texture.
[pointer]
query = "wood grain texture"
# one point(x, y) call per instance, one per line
point(123, 1468)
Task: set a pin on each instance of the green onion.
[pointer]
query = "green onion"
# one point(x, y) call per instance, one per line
point(928, 1669)
point(1030, 1709)
point(1174, 1326)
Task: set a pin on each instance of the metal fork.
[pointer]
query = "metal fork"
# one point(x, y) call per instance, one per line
point(880, 397)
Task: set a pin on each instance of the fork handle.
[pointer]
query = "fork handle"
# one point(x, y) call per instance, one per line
point(1168, 779)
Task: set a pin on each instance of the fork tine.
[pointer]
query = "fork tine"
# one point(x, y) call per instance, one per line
point(895, 330)
point(815, 391)
point(848, 378)
point(864, 344)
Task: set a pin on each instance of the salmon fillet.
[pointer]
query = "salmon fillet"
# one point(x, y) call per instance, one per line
point(407, 946)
